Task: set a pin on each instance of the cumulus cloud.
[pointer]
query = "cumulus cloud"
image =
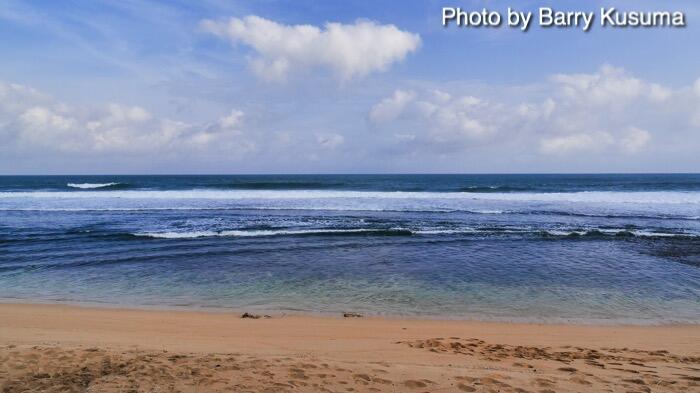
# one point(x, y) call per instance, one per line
point(437, 115)
point(31, 119)
point(348, 50)
point(575, 142)
point(391, 107)
point(630, 141)
point(609, 86)
point(607, 111)
point(232, 120)
point(634, 140)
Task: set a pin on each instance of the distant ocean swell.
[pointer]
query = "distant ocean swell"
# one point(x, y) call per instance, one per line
point(405, 183)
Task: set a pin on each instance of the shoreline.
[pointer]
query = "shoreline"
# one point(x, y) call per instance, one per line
point(477, 318)
point(57, 316)
point(308, 353)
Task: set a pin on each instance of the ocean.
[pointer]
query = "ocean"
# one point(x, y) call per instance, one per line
point(546, 248)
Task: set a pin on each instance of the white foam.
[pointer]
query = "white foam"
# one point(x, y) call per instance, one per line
point(657, 204)
point(426, 231)
point(445, 231)
point(556, 232)
point(640, 197)
point(614, 232)
point(256, 233)
point(663, 234)
point(88, 186)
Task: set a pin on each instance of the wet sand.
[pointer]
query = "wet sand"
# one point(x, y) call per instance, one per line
point(58, 348)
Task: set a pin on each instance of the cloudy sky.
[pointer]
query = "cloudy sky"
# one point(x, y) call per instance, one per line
point(266, 86)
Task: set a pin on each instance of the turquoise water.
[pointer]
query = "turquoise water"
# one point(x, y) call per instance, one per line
point(571, 248)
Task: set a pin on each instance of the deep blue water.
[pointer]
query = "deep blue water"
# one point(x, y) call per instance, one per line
point(579, 248)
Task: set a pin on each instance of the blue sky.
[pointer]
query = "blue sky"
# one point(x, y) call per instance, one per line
point(351, 87)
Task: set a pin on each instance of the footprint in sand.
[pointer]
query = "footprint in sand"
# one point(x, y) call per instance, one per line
point(414, 384)
point(297, 373)
point(363, 377)
point(382, 381)
point(636, 381)
point(466, 388)
point(580, 380)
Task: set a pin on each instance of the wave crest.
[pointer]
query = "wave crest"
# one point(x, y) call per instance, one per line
point(494, 189)
point(653, 197)
point(271, 232)
point(399, 231)
point(90, 186)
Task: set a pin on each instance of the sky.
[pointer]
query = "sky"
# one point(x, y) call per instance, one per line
point(267, 86)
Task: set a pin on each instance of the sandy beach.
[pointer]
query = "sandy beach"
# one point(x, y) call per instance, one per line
point(60, 348)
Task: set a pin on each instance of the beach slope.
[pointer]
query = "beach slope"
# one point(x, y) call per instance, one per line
point(63, 348)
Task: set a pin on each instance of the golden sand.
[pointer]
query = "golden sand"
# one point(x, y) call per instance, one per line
point(73, 349)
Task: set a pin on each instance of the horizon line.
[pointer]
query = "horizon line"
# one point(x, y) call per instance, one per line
point(357, 174)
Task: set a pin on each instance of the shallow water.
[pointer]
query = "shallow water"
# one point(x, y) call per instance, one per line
point(579, 248)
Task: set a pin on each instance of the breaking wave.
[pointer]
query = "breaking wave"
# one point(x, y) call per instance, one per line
point(90, 186)
point(279, 232)
point(618, 233)
point(485, 189)
point(280, 185)
point(664, 197)
point(643, 197)
point(398, 231)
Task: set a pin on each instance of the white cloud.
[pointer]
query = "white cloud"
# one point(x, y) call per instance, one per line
point(348, 50)
point(457, 122)
point(120, 113)
point(631, 141)
point(34, 120)
point(563, 118)
point(232, 120)
point(536, 111)
point(634, 140)
point(441, 96)
point(607, 111)
point(576, 142)
point(609, 86)
point(391, 107)
point(442, 118)
point(659, 93)
point(43, 118)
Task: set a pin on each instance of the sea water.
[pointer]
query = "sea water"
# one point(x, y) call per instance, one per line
point(561, 248)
